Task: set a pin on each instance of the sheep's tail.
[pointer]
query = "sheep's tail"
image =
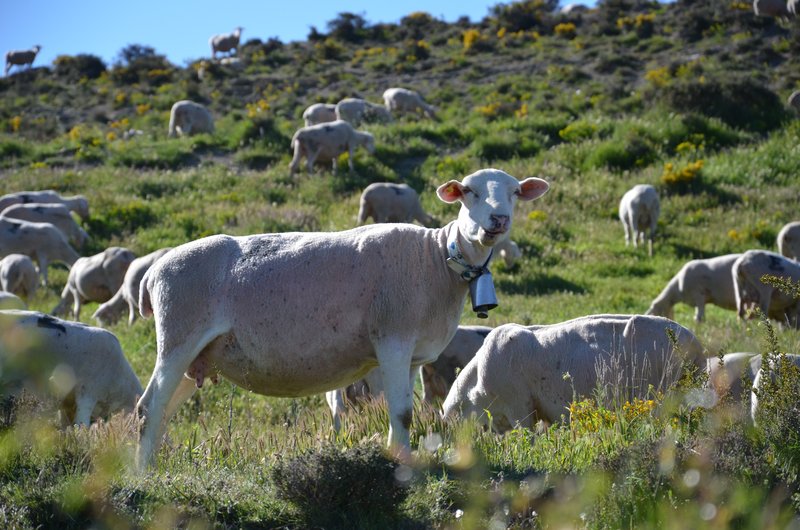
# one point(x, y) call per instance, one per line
point(145, 305)
point(294, 140)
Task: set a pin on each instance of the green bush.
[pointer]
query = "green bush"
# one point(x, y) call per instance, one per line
point(741, 102)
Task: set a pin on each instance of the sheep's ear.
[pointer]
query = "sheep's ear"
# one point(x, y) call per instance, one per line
point(532, 188)
point(451, 191)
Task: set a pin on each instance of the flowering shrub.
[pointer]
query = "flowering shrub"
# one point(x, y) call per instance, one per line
point(587, 416)
point(684, 176)
point(566, 30)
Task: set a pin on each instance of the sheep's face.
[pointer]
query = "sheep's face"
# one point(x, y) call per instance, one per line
point(487, 202)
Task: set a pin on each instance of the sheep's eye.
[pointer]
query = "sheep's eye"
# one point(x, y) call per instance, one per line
point(468, 190)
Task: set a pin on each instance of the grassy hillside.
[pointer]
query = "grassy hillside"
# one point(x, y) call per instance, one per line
point(689, 97)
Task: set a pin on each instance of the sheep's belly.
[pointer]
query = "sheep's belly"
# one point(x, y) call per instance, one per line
point(281, 372)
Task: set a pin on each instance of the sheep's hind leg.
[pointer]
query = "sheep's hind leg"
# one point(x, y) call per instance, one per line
point(174, 357)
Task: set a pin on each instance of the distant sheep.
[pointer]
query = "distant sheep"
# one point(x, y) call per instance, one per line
point(11, 301)
point(518, 375)
point(81, 366)
point(225, 42)
point(386, 202)
point(354, 110)
point(772, 8)
point(187, 118)
point(41, 241)
point(639, 210)
point(326, 141)
point(57, 215)
point(77, 203)
point(319, 113)
point(699, 282)
point(21, 57)
point(509, 252)
point(794, 100)
point(128, 293)
point(751, 291)
point(94, 279)
point(789, 241)
point(403, 100)
point(18, 275)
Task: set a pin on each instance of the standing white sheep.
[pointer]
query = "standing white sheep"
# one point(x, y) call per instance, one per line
point(18, 275)
point(81, 366)
point(21, 57)
point(639, 210)
point(77, 203)
point(354, 110)
point(128, 293)
point(387, 202)
point(294, 314)
point(403, 100)
point(751, 291)
point(789, 241)
point(187, 118)
point(699, 282)
point(57, 215)
point(326, 141)
point(776, 369)
point(41, 241)
point(94, 279)
point(319, 113)
point(225, 42)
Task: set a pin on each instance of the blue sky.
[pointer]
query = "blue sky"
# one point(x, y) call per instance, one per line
point(180, 29)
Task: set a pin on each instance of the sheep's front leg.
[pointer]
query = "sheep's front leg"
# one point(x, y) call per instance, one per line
point(84, 405)
point(394, 360)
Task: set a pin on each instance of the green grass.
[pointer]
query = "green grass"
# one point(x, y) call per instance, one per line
point(573, 112)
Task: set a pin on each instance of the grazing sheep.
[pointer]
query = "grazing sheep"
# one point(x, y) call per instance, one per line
point(18, 275)
point(326, 141)
point(294, 314)
point(225, 42)
point(41, 241)
point(128, 293)
point(57, 215)
point(639, 210)
point(77, 203)
point(699, 282)
point(733, 375)
point(774, 370)
point(11, 301)
point(21, 57)
point(789, 241)
point(319, 113)
point(94, 279)
point(81, 366)
point(437, 377)
point(187, 118)
point(353, 110)
point(751, 291)
point(509, 252)
point(387, 202)
point(771, 8)
point(402, 100)
point(518, 375)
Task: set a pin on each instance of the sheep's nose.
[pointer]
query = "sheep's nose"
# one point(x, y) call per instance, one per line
point(500, 222)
